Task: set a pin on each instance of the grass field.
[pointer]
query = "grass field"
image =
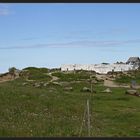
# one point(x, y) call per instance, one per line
point(133, 75)
point(52, 111)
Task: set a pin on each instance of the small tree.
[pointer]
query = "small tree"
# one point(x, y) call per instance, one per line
point(12, 71)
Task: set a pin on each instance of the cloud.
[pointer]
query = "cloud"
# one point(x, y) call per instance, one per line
point(4, 10)
point(87, 43)
point(75, 44)
point(30, 38)
point(84, 33)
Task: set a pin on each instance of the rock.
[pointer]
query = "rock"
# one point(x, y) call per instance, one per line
point(45, 84)
point(68, 88)
point(92, 77)
point(56, 83)
point(107, 90)
point(131, 91)
point(23, 84)
point(85, 89)
point(94, 82)
point(137, 94)
point(36, 85)
point(100, 80)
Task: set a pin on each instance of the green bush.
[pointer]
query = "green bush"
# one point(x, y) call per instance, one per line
point(44, 70)
point(123, 79)
point(134, 75)
point(72, 76)
point(37, 74)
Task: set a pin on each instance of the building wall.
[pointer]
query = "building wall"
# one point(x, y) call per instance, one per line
point(99, 68)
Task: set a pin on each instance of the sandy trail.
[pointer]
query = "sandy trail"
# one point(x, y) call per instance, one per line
point(108, 82)
point(54, 78)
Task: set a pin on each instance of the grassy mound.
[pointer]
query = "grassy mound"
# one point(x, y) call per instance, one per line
point(38, 74)
point(77, 76)
point(52, 111)
point(132, 75)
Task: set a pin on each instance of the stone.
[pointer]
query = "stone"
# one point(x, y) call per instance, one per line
point(85, 89)
point(68, 88)
point(36, 85)
point(131, 91)
point(107, 90)
point(56, 83)
point(94, 82)
point(45, 84)
point(23, 84)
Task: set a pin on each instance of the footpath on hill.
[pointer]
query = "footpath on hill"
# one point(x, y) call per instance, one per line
point(54, 78)
point(108, 82)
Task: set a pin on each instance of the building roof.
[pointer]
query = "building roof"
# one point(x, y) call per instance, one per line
point(133, 59)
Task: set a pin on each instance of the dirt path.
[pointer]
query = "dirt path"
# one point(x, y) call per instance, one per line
point(54, 78)
point(108, 82)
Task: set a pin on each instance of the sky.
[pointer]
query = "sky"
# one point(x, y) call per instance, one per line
point(51, 34)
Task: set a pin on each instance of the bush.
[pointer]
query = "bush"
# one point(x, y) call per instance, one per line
point(71, 76)
point(12, 70)
point(37, 74)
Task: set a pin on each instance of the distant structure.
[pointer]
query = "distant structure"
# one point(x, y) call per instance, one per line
point(133, 63)
point(133, 60)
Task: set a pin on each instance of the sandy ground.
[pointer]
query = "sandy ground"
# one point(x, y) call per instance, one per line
point(108, 82)
point(6, 78)
point(54, 78)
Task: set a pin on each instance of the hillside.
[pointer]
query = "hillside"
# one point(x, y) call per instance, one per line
point(41, 102)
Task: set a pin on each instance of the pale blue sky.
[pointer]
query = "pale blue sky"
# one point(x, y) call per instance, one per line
point(48, 35)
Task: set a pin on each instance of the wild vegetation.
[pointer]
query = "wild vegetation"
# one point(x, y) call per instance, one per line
point(50, 110)
point(38, 74)
point(127, 78)
point(74, 76)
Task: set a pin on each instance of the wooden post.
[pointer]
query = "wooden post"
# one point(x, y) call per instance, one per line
point(88, 118)
point(91, 83)
point(91, 86)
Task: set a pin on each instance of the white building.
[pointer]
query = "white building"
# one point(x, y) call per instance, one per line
point(100, 68)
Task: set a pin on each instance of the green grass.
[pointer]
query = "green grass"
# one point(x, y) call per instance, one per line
point(116, 114)
point(72, 76)
point(127, 79)
point(124, 79)
point(38, 74)
point(52, 111)
point(37, 69)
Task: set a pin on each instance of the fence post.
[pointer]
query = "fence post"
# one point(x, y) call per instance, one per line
point(88, 118)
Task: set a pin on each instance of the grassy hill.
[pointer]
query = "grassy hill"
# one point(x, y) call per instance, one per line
point(127, 78)
point(51, 111)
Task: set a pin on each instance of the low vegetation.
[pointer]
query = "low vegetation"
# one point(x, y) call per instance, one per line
point(131, 76)
point(73, 76)
point(38, 74)
point(52, 111)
